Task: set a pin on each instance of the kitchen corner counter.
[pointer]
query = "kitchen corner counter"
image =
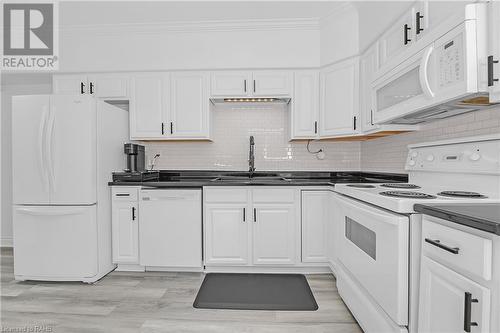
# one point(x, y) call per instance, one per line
point(482, 216)
point(197, 179)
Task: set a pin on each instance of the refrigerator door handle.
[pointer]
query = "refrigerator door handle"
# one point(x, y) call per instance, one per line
point(50, 212)
point(49, 143)
point(42, 136)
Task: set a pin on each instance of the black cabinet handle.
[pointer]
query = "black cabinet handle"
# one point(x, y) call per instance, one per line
point(133, 213)
point(255, 214)
point(253, 85)
point(82, 88)
point(91, 88)
point(418, 26)
point(371, 117)
point(162, 129)
point(122, 194)
point(245, 85)
point(491, 80)
point(468, 312)
point(244, 214)
point(354, 123)
point(406, 29)
point(315, 127)
point(171, 127)
point(437, 242)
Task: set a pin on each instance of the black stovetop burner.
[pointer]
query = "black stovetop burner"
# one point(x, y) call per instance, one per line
point(400, 185)
point(361, 186)
point(407, 195)
point(461, 194)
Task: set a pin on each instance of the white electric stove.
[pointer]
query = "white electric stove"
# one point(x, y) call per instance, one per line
point(379, 245)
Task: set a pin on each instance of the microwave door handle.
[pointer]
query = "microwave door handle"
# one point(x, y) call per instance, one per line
point(423, 76)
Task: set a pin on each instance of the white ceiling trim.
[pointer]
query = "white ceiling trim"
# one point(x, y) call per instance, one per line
point(199, 26)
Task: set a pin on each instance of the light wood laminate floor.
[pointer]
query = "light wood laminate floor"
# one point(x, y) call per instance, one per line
point(154, 302)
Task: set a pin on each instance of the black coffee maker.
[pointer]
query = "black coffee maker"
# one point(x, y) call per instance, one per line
point(135, 157)
point(136, 166)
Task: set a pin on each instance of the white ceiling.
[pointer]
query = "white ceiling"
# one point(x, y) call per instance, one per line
point(140, 12)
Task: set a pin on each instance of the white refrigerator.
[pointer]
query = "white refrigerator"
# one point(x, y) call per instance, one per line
point(64, 150)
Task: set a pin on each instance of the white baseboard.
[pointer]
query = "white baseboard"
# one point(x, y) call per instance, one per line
point(6, 242)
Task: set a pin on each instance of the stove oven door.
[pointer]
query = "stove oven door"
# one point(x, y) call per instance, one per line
point(373, 247)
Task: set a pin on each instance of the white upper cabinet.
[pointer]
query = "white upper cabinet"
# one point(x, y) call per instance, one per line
point(267, 83)
point(397, 38)
point(304, 118)
point(189, 111)
point(231, 83)
point(339, 86)
point(368, 65)
point(494, 52)
point(106, 86)
point(429, 14)
point(166, 106)
point(110, 85)
point(272, 83)
point(148, 106)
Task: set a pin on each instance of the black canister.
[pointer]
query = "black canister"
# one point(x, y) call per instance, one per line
point(136, 161)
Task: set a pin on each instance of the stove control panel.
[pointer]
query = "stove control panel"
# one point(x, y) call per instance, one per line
point(467, 157)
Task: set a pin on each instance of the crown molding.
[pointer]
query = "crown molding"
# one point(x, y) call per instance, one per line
point(198, 26)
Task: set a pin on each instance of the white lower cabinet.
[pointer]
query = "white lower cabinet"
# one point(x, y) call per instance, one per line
point(315, 219)
point(226, 234)
point(125, 225)
point(449, 302)
point(250, 226)
point(273, 234)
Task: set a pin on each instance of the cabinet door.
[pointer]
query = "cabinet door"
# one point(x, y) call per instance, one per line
point(445, 298)
point(70, 84)
point(339, 98)
point(273, 234)
point(315, 218)
point(147, 105)
point(125, 232)
point(305, 105)
point(109, 85)
point(226, 234)
point(428, 14)
point(397, 38)
point(189, 111)
point(368, 66)
point(272, 83)
point(494, 54)
point(231, 83)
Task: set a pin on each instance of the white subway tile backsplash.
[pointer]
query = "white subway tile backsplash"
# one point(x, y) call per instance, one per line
point(232, 127)
point(388, 154)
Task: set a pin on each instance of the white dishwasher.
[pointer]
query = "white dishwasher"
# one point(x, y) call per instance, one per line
point(170, 229)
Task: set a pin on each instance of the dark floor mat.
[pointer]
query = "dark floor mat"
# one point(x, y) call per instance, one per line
point(286, 292)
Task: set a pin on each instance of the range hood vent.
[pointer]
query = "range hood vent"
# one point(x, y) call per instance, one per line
point(441, 111)
point(251, 100)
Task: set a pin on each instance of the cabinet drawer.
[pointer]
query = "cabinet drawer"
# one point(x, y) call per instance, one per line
point(120, 193)
point(457, 249)
point(232, 194)
point(265, 195)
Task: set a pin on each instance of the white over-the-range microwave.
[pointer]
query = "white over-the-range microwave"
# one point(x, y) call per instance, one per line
point(445, 76)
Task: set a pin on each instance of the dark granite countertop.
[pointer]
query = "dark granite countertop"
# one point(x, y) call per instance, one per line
point(193, 178)
point(482, 216)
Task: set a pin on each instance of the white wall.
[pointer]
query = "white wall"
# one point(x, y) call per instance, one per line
point(190, 46)
point(339, 35)
point(388, 154)
point(232, 127)
point(21, 84)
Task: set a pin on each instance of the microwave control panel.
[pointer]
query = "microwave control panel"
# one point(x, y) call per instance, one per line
point(451, 60)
